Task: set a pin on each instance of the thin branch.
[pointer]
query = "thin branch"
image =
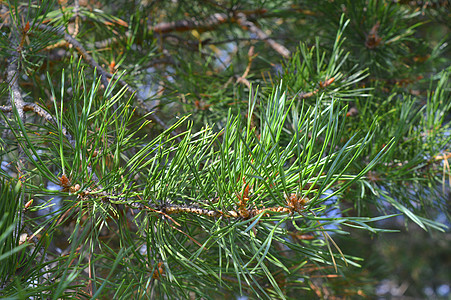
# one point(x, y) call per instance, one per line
point(322, 85)
point(217, 19)
point(173, 209)
point(279, 48)
point(185, 25)
point(194, 44)
point(13, 74)
point(295, 204)
point(242, 78)
point(235, 40)
point(213, 21)
point(77, 17)
point(15, 96)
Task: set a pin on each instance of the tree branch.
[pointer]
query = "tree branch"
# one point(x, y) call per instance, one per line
point(220, 18)
point(15, 97)
point(279, 48)
point(185, 25)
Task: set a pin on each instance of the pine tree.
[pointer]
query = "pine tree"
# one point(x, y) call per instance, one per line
point(215, 149)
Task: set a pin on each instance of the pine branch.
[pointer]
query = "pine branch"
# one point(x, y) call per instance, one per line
point(295, 204)
point(15, 95)
point(248, 208)
point(104, 75)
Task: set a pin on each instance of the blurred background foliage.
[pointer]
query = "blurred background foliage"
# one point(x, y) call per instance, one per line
point(379, 67)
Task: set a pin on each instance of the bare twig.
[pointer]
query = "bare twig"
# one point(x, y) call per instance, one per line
point(109, 41)
point(242, 78)
point(13, 74)
point(77, 17)
point(322, 85)
point(244, 22)
point(236, 40)
point(208, 23)
point(185, 25)
point(194, 44)
point(220, 18)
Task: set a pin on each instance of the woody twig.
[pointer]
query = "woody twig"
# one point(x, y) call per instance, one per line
point(245, 23)
point(13, 74)
point(322, 85)
point(185, 25)
point(217, 19)
point(294, 204)
point(242, 78)
point(15, 96)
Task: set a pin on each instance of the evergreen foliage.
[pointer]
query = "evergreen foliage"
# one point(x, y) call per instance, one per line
point(215, 149)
